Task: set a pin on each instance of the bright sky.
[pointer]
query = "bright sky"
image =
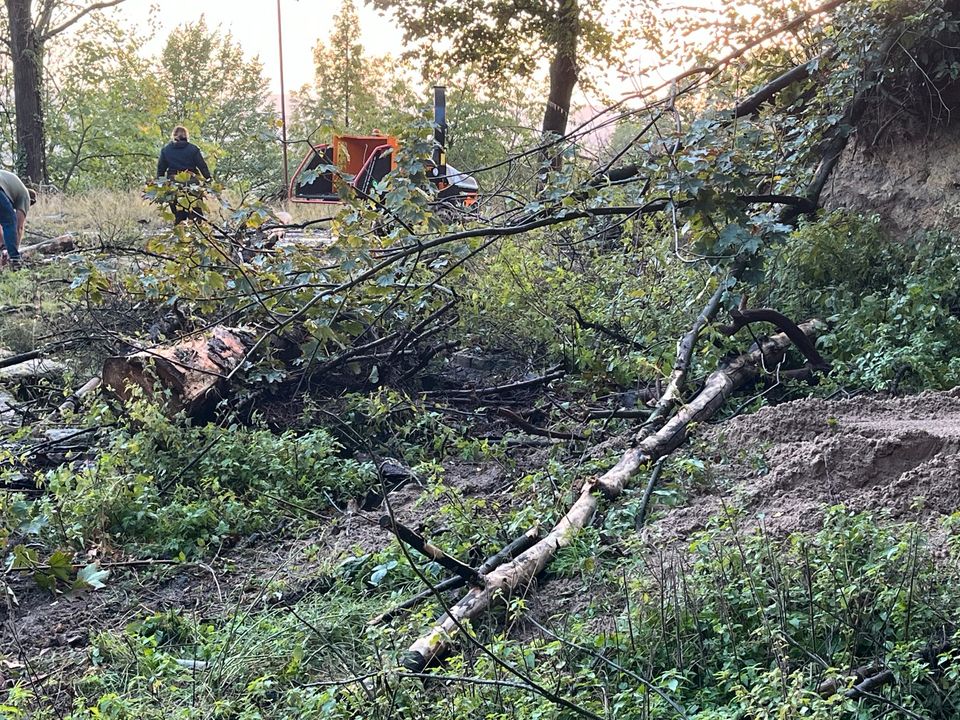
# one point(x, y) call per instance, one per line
point(253, 24)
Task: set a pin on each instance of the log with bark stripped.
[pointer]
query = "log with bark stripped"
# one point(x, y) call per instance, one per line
point(61, 244)
point(193, 371)
point(514, 577)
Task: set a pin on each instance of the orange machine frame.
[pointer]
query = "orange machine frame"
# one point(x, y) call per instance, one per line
point(351, 154)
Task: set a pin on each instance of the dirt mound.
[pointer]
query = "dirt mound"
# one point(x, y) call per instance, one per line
point(911, 180)
point(785, 464)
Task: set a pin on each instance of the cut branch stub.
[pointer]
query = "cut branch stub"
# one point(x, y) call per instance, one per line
point(193, 371)
point(74, 400)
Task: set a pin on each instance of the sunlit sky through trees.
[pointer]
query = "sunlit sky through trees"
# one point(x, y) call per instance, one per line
point(253, 24)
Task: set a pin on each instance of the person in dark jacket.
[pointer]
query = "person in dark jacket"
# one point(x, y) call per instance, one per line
point(177, 156)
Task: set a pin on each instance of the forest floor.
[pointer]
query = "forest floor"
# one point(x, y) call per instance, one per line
point(779, 467)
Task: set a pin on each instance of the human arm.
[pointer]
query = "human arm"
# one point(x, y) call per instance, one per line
point(162, 164)
point(202, 166)
point(21, 224)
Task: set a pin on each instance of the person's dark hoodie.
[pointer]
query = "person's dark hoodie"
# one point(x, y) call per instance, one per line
point(180, 155)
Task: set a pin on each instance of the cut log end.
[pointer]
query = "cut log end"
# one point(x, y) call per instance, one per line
point(414, 661)
point(192, 372)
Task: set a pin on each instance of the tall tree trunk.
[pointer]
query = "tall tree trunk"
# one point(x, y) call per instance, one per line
point(27, 51)
point(563, 74)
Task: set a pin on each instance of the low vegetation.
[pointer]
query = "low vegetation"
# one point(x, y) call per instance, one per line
point(460, 377)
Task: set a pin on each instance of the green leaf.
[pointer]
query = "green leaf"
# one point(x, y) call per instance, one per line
point(91, 577)
point(60, 566)
point(45, 581)
point(24, 557)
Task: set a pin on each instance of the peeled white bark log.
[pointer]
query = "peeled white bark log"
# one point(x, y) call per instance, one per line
point(36, 368)
point(513, 578)
point(74, 400)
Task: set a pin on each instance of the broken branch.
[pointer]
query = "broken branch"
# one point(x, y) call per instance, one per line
point(517, 575)
point(418, 543)
point(534, 429)
point(522, 543)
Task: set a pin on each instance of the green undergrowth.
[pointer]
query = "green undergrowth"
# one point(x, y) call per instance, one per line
point(893, 305)
point(30, 301)
point(526, 295)
point(733, 624)
point(160, 487)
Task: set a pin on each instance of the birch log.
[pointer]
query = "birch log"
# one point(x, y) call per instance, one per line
point(514, 577)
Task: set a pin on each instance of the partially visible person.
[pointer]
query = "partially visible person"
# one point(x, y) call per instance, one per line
point(15, 202)
point(177, 156)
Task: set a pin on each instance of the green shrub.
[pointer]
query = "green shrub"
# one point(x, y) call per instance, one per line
point(173, 489)
point(892, 306)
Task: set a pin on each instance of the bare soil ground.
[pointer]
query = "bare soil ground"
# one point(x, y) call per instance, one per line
point(783, 465)
point(899, 457)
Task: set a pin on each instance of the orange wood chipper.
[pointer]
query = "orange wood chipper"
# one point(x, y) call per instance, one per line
point(363, 160)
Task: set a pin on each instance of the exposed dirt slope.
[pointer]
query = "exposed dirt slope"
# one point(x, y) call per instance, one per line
point(911, 180)
point(898, 456)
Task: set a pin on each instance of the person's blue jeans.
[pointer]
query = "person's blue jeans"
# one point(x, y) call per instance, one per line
point(8, 221)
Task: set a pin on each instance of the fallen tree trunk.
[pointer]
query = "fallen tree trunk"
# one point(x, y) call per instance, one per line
point(517, 575)
point(194, 371)
point(30, 369)
point(678, 378)
point(63, 243)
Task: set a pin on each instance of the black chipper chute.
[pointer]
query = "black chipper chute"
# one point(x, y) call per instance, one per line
point(440, 130)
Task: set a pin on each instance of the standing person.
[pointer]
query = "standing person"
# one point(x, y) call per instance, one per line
point(181, 155)
point(15, 202)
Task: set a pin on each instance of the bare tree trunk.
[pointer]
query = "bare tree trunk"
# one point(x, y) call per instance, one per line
point(563, 74)
point(514, 577)
point(26, 48)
